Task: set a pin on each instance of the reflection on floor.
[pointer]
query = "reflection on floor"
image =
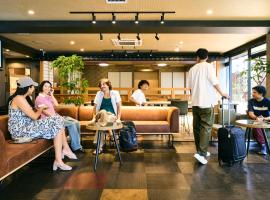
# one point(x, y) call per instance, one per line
point(154, 172)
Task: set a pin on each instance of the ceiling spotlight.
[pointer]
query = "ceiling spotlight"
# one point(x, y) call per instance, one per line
point(31, 12)
point(138, 36)
point(82, 50)
point(27, 56)
point(126, 53)
point(113, 18)
point(181, 42)
point(209, 12)
point(7, 50)
point(138, 54)
point(136, 18)
point(94, 18)
point(157, 38)
point(162, 18)
point(177, 49)
point(150, 53)
point(103, 64)
point(100, 37)
point(119, 36)
point(72, 42)
point(112, 54)
point(162, 64)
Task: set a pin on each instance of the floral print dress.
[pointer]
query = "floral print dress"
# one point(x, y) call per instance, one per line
point(20, 125)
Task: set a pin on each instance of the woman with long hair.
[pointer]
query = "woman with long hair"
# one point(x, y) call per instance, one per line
point(73, 126)
point(24, 122)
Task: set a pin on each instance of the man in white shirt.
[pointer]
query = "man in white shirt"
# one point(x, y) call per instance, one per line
point(138, 96)
point(203, 82)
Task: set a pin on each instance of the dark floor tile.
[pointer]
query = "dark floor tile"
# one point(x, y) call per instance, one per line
point(128, 167)
point(124, 180)
point(161, 168)
point(167, 181)
point(168, 194)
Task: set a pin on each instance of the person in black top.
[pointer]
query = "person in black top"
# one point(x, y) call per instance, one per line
point(258, 109)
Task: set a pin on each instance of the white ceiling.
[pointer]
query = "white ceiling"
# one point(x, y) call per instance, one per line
point(167, 42)
point(185, 9)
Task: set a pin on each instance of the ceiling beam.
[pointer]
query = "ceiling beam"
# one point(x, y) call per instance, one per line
point(170, 26)
point(18, 47)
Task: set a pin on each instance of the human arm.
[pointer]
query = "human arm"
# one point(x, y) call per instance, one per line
point(54, 101)
point(22, 104)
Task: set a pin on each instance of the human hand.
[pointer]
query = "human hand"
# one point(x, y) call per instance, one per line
point(118, 121)
point(42, 107)
point(226, 96)
point(260, 118)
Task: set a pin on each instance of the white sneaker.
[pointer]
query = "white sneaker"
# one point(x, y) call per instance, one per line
point(208, 154)
point(200, 158)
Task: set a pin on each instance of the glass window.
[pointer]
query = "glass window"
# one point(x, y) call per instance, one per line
point(258, 49)
point(258, 80)
point(240, 82)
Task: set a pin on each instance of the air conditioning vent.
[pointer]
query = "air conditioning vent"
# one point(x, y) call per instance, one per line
point(127, 42)
point(116, 1)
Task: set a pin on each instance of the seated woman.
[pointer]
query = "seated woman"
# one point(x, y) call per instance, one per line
point(24, 122)
point(46, 97)
point(258, 109)
point(109, 100)
point(138, 96)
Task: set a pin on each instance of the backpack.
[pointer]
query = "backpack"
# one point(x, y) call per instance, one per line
point(128, 139)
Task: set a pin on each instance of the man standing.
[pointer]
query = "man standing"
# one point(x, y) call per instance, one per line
point(203, 82)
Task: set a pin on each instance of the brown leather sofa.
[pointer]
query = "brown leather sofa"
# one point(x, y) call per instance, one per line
point(154, 120)
point(147, 119)
point(15, 156)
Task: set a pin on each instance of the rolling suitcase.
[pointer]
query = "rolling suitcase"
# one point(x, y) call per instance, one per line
point(231, 142)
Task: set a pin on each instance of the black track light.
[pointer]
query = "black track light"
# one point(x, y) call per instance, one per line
point(112, 54)
point(113, 18)
point(138, 36)
point(119, 36)
point(150, 53)
point(136, 18)
point(126, 53)
point(157, 38)
point(94, 21)
point(100, 37)
point(162, 19)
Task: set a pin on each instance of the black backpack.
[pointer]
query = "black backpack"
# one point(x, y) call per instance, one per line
point(128, 139)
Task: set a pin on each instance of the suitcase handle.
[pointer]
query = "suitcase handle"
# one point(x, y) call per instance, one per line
point(222, 111)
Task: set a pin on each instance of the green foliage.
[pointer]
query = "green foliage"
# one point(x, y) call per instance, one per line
point(69, 71)
point(260, 67)
point(76, 101)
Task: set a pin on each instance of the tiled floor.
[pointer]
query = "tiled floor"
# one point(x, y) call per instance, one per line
point(154, 172)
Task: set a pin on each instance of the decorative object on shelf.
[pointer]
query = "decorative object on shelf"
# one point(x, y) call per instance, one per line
point(70, 70)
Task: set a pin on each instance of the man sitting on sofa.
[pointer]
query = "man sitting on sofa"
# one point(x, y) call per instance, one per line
point(258, 109)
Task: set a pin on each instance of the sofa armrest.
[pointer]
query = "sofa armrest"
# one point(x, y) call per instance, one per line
point(3, 155)
point(173, 119)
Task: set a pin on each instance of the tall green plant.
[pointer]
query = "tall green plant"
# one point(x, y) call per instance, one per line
point(260, 68)
point(70, 70)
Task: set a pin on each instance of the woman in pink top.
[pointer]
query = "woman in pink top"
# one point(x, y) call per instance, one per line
point(46, 97)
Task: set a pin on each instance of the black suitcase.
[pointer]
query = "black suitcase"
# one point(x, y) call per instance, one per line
point(231, 142)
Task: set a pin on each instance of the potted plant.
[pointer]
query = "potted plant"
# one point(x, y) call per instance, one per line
point(260, 68)
point(70, 70)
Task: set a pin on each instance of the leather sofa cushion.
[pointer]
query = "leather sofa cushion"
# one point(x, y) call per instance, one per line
point(19, 154)
point(85, 113)
point(149, 126)
point(67, 110)
point(134, 113)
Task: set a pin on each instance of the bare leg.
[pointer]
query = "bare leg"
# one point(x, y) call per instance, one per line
point(66, 147)
point(58, 147)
